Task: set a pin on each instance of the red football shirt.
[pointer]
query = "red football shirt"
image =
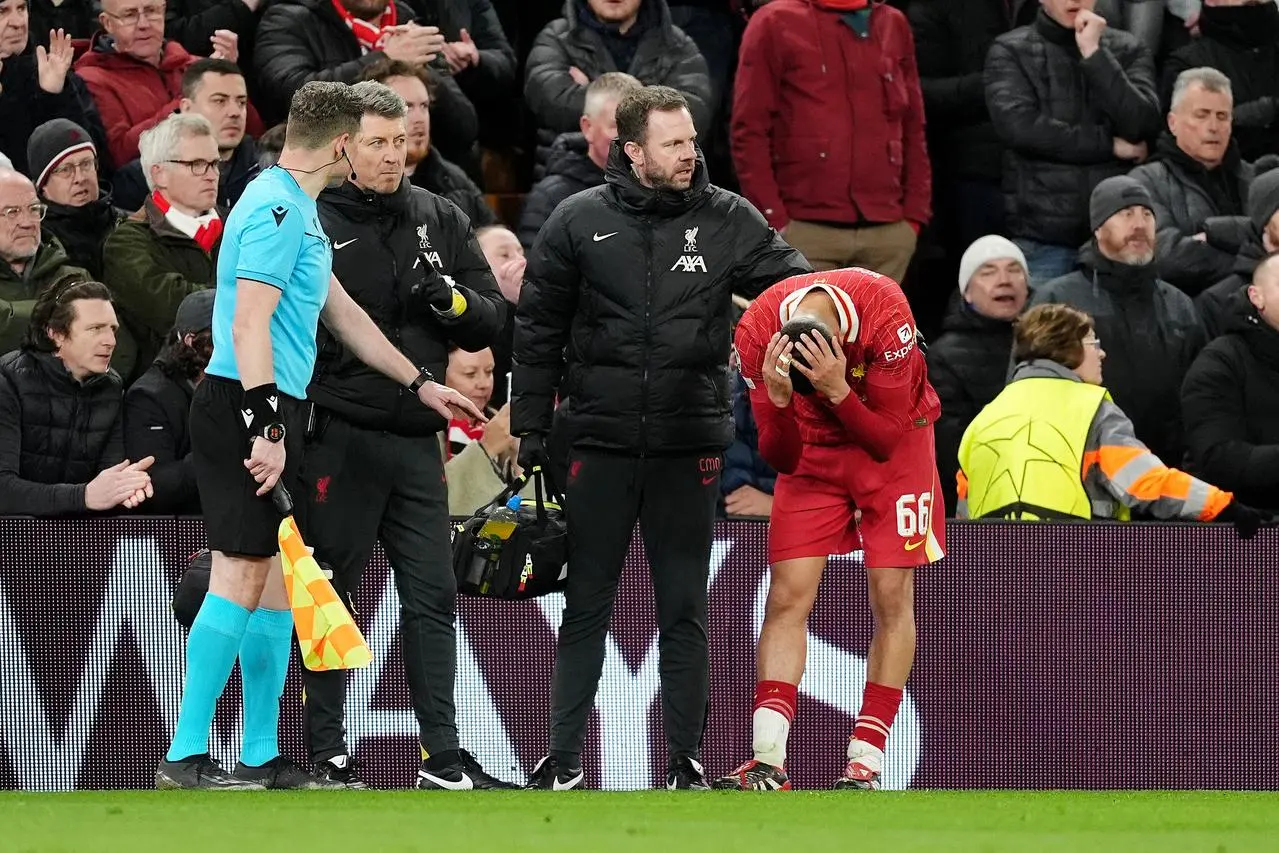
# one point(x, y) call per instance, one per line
point(886, 369)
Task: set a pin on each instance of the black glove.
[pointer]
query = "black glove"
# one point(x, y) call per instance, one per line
point(532, 451)
point(1247, 521)
point(432, 290)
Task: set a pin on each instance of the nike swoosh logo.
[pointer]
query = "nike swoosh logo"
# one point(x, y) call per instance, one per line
point(557, 785)
point(347, 243)
point(706, 481)
point(911, 546)
point(599, 236)
point(463, 784)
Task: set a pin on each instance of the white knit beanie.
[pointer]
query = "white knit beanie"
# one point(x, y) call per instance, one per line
point(992, 247)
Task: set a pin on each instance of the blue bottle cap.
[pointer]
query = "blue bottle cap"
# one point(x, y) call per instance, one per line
point(514, 503)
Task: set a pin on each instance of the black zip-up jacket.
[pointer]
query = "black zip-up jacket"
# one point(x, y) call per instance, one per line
point(1231, 403)
point(156, 411)
point(83, 230)
point(380, 246)
point(56, 434)
point(1151, 334)
point(569, 171)
point(626, 310)
point(1058, 115)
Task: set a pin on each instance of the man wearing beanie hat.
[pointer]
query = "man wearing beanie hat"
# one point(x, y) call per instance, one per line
point(1260, 239)
point(156, 407)
point(1150, 329)
point(968, 363)
point(64, 165)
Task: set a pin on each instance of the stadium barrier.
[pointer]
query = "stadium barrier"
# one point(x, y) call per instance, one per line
point(1050, 656)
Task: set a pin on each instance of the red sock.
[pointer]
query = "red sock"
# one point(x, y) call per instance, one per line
point(777, 696)
point(879, 709)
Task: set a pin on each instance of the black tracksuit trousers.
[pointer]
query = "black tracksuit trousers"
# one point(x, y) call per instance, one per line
point(674, 500)
point(364, 486)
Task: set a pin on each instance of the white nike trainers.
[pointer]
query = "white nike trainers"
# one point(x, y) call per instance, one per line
point(864, 769)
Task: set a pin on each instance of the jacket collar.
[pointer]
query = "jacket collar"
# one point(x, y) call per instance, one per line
point(1056, 33)
point(1117, 279)
point(362, 204)
point(53, 368)
point(97, 214)
point(1042, 368)
point(637, 198)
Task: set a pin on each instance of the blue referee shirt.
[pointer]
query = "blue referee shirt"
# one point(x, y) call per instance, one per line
point(273, 235)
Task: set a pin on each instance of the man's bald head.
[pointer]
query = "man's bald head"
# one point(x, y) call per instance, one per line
point(1263, 293)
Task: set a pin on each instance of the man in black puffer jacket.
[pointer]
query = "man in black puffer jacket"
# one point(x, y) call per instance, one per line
point(61, 437)
point(625, 311)
point(635, 36)
point(373, 469)
point(1257, 237)
point(1230, 398)
point(1075, 103)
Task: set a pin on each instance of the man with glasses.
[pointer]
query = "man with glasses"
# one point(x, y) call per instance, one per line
point(135, 74)
point(30, 261)
point(168, 249)
point(64, 163)
point(213, 88)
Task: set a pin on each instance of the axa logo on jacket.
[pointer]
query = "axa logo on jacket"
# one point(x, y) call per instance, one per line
point(691, 260)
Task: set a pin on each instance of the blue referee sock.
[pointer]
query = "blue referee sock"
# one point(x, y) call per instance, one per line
point(264, 663)
point(212, 646)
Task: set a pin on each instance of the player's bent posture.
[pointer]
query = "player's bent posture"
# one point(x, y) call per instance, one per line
point(274, 283)
point(849, 428)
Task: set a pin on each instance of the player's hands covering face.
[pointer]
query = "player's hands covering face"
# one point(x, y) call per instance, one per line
point(827, 368)
point(776, 370)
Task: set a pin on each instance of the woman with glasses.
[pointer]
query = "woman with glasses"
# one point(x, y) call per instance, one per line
point(1053, 445)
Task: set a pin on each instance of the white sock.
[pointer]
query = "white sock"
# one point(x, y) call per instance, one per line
point(771, 731)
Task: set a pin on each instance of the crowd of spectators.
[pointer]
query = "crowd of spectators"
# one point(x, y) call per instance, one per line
point(1115, 156)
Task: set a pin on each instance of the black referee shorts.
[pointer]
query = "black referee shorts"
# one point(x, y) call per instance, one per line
point(237, 520)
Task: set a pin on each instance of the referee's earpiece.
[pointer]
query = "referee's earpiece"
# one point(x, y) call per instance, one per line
point(349, 163)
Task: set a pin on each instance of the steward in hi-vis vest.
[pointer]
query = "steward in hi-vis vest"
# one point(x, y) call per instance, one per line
point(1051, 446)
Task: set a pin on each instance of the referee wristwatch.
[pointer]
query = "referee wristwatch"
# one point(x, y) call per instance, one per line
point(423, 376)
point(273, 432)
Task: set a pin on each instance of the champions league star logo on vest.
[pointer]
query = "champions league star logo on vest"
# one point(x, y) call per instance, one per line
point(691, 260)
point(425, 248)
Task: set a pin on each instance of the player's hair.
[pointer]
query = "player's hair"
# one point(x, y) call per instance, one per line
point(1053, 332)
point(610, 86)
point(195, 72)
point(159, 145)
point(384, 69)
point(320, 112)
point(380, 100)
point(55, 309)
point(803, 325)
point(1210, 79)
point(638, 104)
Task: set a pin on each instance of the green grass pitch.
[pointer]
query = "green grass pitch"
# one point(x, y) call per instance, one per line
point(655, 822)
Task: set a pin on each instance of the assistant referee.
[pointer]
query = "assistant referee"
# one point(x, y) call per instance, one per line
point(274, 282)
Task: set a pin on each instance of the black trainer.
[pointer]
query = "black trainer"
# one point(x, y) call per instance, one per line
point(460, 772)
point(281, 773)
point(686, 774)
point(550, 775)
point(199, 771)
point(341, 769)
point(754, 776)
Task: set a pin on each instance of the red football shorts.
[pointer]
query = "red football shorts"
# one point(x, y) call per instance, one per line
point(814, 508)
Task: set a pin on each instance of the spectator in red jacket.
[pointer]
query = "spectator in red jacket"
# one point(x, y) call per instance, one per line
point(828, 131)
point(135, 74)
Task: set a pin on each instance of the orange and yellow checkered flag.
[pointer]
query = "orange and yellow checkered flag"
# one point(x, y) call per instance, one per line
point(327, 635)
